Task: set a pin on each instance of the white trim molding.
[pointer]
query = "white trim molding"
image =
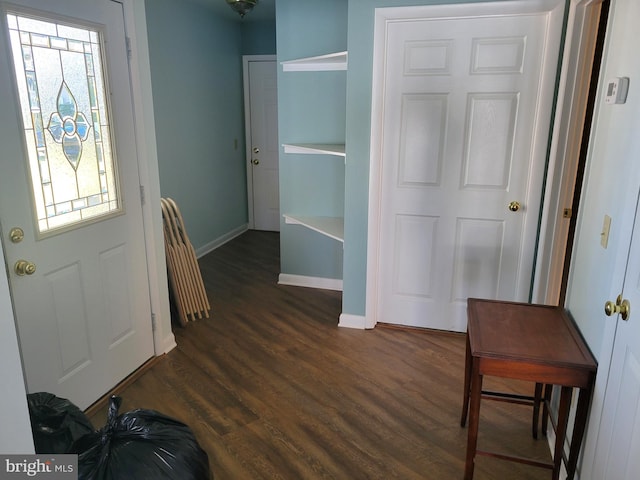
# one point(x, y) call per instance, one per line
point(221, 240)
point(140, 74)
point(310, 282)
point(348, 320)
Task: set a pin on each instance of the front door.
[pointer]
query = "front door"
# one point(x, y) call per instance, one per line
point(466, 106)
point(70, 203)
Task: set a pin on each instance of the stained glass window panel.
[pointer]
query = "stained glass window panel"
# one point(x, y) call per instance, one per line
point(60, 80)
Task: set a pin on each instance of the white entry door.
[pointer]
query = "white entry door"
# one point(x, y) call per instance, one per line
point(70, 203)
point(466, 96)
point(618, 444)
point(262, 144)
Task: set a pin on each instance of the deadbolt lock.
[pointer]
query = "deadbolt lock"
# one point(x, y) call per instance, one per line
point(16, 234)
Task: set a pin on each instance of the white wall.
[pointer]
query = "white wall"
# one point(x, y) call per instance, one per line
point(611, 185)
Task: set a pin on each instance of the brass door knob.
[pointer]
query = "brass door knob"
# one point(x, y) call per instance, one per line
point(514, 206)
point(255, 161)
point(621, 306)
point(23, 267)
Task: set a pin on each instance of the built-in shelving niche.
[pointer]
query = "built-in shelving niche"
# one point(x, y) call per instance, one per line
point(332, 227)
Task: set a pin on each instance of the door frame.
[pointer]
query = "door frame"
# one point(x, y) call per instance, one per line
point(246, 59)
point(140, 73)
point(140, 76)
point(382, 16)
point(569, 137)
point(575, 105)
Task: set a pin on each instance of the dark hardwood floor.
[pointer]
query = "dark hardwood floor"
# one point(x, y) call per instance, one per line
point(274, 389)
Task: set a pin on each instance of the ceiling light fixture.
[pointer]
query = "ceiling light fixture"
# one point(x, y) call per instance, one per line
point(242, 6)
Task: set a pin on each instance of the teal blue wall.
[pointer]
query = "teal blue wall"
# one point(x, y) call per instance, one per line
point(196, 74)
point(311, 109)
point(259, 38)
point(201, 168)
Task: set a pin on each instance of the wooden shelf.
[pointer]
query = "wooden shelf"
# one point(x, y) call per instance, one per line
point(315, 149)
point(332, 61)
point(332, 227)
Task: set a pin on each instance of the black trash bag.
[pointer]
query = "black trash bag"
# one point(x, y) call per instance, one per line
point(56, 423)
point(141, 445)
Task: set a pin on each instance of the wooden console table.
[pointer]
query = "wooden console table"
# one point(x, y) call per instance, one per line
point(537, 343)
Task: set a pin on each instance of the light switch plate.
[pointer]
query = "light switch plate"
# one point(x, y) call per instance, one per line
point(604, 235)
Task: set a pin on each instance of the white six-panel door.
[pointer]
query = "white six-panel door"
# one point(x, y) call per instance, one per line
point(465, 115)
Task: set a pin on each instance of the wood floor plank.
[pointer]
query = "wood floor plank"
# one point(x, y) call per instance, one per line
point(274, 389)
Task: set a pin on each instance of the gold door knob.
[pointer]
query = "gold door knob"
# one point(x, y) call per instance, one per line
point(255, 161)
point(23, 267)
point(621, 306)
point(514, 206)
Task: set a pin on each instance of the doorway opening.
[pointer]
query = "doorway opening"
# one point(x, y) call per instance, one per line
point(584, 44)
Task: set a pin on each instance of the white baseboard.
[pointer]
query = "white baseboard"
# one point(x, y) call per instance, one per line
point(211, 246)
point(169, 344)
point(348, 320)
point(310, 282)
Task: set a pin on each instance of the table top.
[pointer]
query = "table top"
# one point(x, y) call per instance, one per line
point(524, 332)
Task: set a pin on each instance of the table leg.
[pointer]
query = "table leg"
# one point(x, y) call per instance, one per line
point(537, 399)
point(548, 389)
point(579, 426)
point(467, 384)
point(474, 419)
point(561, 429)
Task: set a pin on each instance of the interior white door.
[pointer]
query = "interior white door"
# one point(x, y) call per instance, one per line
point(83, 315)
point(263, 164)
point(466, 116)
point(618, 443)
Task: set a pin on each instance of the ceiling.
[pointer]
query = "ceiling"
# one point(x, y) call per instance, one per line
point(265, 10)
